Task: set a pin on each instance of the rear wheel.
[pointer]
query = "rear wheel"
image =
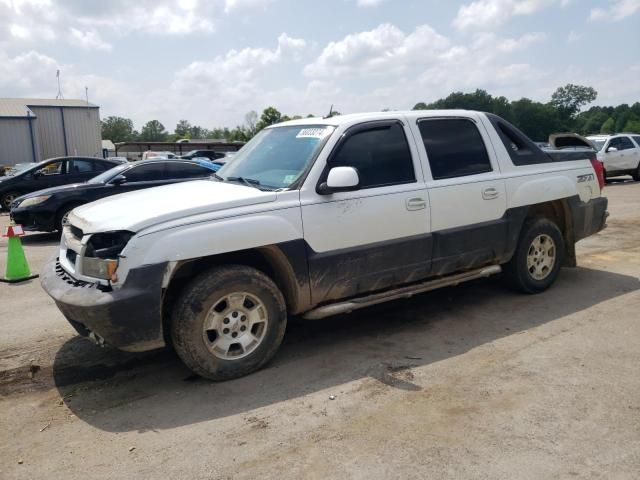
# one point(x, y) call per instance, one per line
point(228, 322)
point(7, 199)
point(539, 255)
point(636, 174)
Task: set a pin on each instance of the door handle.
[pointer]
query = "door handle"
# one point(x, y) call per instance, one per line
point(490, 193)
point(416, 203)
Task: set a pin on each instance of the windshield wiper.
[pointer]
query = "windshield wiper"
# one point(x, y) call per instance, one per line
point(249, 182)
point(217, 177)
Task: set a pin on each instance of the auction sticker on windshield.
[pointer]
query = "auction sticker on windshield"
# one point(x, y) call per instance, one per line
point(313, 132)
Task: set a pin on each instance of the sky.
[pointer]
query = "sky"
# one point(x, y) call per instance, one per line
point(211, 62)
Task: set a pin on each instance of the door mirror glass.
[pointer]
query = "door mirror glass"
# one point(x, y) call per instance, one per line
point(119, 180)
point(612, 149)
point(340, 179)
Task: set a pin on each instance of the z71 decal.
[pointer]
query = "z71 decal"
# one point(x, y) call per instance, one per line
point(586, 178)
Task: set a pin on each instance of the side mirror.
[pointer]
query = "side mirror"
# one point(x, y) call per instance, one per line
point(119, 180)
point(340, 179)
point(612, 149)
point(38, 174)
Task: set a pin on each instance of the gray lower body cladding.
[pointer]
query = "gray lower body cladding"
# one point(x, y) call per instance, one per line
point(128, 318)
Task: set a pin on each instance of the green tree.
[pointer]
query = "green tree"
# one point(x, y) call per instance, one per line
point(153, 131)
point(535, 119)
point(571, 98)
point(420, 106)
point(183, 129)
point(117, 129)
point(269, 116)
point(609, 126)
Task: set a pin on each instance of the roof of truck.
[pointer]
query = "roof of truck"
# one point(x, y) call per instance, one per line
point(342, 119)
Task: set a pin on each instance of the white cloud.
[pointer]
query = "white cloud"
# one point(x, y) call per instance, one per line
point(89, 40)
point(383, 50)
point(574, 36)
point(369, 3)
point(488, 14)
point(618, 10)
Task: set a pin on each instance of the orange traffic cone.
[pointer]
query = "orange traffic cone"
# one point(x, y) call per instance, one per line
point(17, 269)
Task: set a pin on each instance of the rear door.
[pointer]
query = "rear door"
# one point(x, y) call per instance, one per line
point(83, 169)
point(628, 153)
point(374, 237)
point(466, 191)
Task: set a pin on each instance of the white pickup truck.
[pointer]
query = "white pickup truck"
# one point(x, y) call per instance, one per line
point(317, 217)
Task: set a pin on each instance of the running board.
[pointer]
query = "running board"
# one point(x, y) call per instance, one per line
point(404, 292)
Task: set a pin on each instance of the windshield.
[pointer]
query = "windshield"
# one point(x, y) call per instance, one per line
point(598, 143)
point(277, 157)
point(104, 177)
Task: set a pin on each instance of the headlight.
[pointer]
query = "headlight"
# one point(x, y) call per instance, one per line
point(98, 267)
point(100, 259)
point(29, 202)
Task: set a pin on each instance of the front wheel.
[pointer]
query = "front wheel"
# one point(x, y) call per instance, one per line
point(636, 174)
point(539, 255)
point(7, 199)
point(228, 322)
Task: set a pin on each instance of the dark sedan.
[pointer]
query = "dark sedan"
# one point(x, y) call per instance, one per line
point(46, 210)
point(51, 173)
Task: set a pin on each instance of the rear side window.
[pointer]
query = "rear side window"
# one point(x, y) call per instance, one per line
point(625, 143)
point(519, 147)
point(146, 173)
point(637, 139)
point(82, 166)
point(380, 153)
point(186, 170)
point(454, 147)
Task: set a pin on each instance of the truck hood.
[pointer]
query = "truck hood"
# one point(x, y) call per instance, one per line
point(135, 211)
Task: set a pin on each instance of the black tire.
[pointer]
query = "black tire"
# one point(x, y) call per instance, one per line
point(517, 273)
point(200, 296)
point(62, 213)
point(6, 199)
point(636, 174)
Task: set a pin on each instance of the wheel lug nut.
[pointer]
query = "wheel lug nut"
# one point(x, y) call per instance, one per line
point(243, 318)
point(234, 314)
point(243, 328)
point(225, 331)
point(226, 320)
point(234, 334)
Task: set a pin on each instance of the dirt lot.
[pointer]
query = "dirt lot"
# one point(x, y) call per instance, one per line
point(465, 382)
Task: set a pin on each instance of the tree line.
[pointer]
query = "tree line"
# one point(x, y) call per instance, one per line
point(564, 112)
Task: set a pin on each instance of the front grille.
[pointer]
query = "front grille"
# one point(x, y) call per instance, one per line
point(61, 272)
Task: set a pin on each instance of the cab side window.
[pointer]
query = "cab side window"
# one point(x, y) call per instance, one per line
point(454, 147)
point(380, 154)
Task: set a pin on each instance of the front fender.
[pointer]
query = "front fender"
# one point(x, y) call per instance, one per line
point(213, 237)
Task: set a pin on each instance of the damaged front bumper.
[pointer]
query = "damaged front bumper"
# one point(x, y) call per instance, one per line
point(128, 318)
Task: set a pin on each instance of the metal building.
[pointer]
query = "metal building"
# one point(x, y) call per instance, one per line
point(34, 129)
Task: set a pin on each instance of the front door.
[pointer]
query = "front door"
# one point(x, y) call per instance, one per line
point(52, 174)
point(467, 194)
point(374, 237)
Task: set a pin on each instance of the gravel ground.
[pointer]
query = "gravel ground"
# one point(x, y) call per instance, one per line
point(467, 382)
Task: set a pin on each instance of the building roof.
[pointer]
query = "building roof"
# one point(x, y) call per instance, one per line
point(19, 107)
